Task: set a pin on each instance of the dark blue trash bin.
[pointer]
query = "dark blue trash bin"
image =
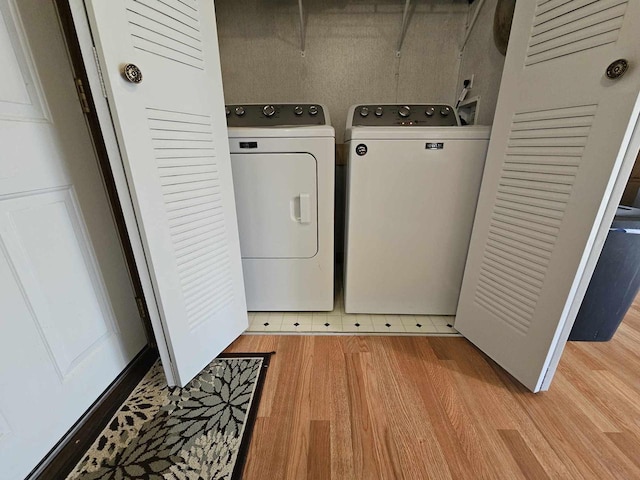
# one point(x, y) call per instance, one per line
point(615, 282)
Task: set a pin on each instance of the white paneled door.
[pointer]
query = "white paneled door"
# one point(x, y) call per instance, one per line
point(561, 130)
point(169, 115)
point(68, 319)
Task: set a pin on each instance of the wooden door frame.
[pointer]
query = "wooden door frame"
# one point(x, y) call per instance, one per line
point(75, 28)
point(95, 131)
point(72, 445)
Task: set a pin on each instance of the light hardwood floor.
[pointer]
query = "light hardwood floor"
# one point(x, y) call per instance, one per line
point(349, 407)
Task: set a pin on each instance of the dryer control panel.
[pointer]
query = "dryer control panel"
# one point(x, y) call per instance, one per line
point(275, 115)
point(427, 115)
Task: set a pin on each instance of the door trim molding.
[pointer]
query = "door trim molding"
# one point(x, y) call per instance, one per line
point(93, 125)
point(61, 459)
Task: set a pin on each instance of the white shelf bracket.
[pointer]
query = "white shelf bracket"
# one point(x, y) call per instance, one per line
point(471, 24)
point(302, 28)
point(403, 30)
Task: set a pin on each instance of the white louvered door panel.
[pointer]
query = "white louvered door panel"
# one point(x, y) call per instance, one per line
point(560, 132)
point(173, 136)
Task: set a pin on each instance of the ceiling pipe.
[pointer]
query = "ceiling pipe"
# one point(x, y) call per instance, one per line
point(471, 24)
point(403, 30)
point(302, 29)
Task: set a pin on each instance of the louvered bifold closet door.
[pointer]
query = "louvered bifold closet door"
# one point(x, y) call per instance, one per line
point(559, 134)
point(173, 138)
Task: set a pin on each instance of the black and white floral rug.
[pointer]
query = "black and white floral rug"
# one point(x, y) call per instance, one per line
point(201, 431)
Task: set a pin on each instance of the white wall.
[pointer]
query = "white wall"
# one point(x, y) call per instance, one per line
point(350, 55)
point(482, 58)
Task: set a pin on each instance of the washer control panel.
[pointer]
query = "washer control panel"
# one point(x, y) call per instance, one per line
point(428, 115)
point(275, 115)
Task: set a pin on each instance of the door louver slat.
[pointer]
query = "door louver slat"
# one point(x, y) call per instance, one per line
point(193, 202)
point(528, 212)
point(566, 27)
point(170, 31)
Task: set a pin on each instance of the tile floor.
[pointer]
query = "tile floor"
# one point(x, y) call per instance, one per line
point(337, 321)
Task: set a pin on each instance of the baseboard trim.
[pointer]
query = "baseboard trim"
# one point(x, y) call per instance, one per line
point(61, 459)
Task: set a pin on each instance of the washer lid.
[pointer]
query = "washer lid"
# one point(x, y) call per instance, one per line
point(472, 132)
point(276, 204)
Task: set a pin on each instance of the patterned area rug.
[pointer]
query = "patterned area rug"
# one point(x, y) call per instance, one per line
point(201, 431)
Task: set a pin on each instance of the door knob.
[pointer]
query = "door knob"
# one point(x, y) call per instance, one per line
point(132, 73)
point(617, 69)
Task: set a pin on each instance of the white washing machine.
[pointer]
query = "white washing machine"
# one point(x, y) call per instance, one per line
point(413, 180)
point(283, 161)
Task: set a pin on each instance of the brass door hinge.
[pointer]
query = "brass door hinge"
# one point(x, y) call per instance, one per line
point(82, 96)
point(142, 311)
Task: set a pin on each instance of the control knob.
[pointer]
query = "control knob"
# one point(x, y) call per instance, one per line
point(445, 111)
point(268, 110)
point(404, 111)
point(313, 110)
point(430, 111)
point(379, 111)
point(298, 110)
point(227, 111)
point(239, 111)
point(364, 111)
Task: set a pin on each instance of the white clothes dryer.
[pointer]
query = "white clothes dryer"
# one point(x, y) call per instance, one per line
point(283, 162)
point(413, 180)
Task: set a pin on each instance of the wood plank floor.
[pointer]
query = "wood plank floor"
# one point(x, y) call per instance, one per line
point(349, 407)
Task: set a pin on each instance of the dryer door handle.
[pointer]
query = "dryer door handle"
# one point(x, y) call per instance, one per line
point(305, 208)
point(301, 208)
